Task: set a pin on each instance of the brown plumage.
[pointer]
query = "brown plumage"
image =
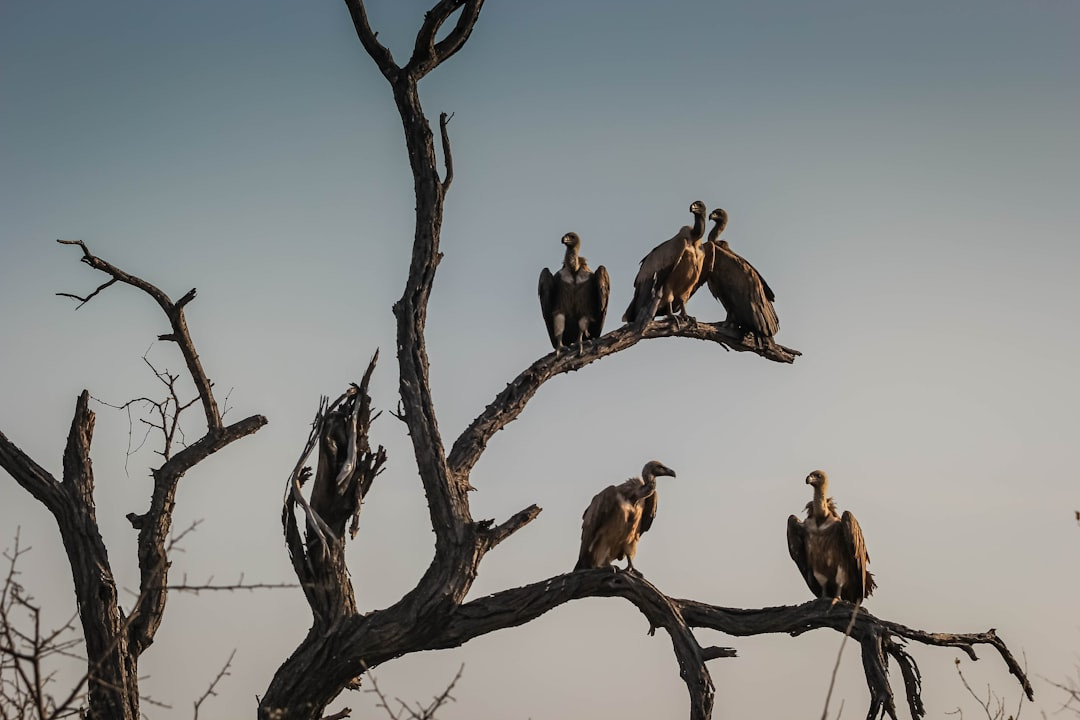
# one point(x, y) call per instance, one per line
point(617, 517)
point(673, 267)
point(737, 284)
point(829, 548)
point(574, 300)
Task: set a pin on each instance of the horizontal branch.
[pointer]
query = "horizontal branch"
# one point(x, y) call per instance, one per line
point(518, 606)
point(510, 403)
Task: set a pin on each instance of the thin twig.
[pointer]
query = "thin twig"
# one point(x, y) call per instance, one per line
point(212, 690)
point(836, 665)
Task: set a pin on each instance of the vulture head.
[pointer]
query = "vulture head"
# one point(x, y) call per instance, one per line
point(719, 216)
point(697, 207)
point(818, 479)
point(655, 468)
point(571, 240)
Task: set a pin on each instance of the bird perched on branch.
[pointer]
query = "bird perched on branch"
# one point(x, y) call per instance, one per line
point(617, 517)
point(829, 548)
point(737, 284)
point(671, 269)
point(574, 300)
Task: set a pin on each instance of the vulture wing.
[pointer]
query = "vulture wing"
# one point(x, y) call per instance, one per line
point(659, 263)
point(736, 284)
point(764, 285)
point(662, 258)
point(857, 556)
point(648, 513)
point(796, 543)
point(601, 288)
point(600, 510)
point(548, 299)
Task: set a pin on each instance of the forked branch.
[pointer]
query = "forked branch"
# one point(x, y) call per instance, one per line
point(347, 468)
point(114, 640)
point(174, 311)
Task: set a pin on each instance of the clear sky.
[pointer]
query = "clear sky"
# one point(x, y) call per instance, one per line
point(905, 175)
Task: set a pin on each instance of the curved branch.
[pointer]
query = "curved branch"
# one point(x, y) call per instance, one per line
point(175, 313)
point(427, 54)
point(370, 40)
point(510, 403)
point(518, 606)
point(154, 526)
point(879, 639)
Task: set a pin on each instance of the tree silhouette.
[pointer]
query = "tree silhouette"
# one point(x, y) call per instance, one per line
point(343, 645)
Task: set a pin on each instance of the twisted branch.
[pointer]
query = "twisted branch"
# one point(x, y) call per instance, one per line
point(174, 312)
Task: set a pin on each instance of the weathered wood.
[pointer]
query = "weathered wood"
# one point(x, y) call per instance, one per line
point(343, 645)
point(114, 641)
point(510, 403)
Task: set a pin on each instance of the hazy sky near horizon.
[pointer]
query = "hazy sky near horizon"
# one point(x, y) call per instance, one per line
point(904, 175)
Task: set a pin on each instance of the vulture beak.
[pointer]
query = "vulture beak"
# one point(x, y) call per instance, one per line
point(668, 472)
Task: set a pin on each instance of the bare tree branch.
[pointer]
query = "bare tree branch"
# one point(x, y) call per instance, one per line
point(427, 54)
point(343, 645)
point(448, 159)
point(422, 712)
point(211, 691)
point(175, 313)
point(369, 39)
point(114, 640)
point(510, 403)
point(836, 665)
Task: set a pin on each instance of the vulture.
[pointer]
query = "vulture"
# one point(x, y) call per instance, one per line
point(616, 518)
point(574, 300)
point(737, 284)
point(829, 548)
point(673, 267)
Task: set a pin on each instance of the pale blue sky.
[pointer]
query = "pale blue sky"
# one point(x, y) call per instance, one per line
point(904, 175)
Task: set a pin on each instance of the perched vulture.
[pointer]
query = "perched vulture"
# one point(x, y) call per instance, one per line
point(616, 518)
point(737, 284)
point(574, 300)
point(676, 266)
point(829, 548)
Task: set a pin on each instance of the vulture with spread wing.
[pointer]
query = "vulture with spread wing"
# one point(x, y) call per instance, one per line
point(829, 548)
point(616, 518)
point(737, 284)
point(574, 300)
point(673, 267)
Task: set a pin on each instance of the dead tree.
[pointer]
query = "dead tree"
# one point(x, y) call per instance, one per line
point(342, 645)
point(115, 637)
